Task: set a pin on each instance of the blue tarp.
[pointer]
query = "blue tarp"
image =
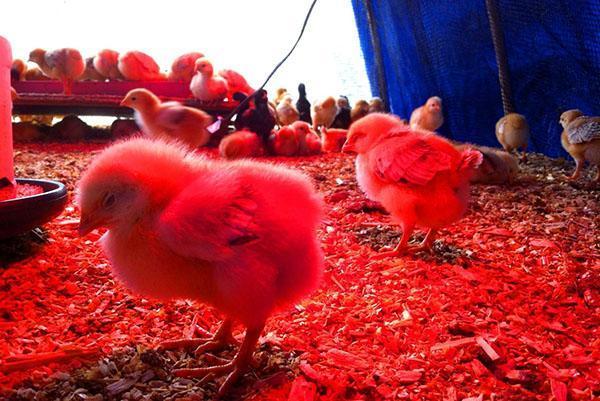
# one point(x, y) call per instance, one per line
point(444, 48)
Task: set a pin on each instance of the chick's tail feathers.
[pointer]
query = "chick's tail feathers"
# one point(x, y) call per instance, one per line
point(470, 160)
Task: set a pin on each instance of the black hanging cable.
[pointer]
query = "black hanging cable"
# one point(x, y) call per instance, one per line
point(245, 101)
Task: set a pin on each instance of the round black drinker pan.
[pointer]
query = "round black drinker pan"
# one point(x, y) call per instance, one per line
point(19, 215)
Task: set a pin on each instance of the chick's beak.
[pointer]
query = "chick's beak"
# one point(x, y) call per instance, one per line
point(125, 102)
point(86, 225)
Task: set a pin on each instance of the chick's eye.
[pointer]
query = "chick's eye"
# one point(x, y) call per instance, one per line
point(108, 200)
point(134, 98)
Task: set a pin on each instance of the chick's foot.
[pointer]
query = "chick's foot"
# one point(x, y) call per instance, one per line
point(235, 368)
point(221, 339)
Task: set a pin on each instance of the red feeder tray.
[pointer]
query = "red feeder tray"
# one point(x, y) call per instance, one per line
point(19, 215)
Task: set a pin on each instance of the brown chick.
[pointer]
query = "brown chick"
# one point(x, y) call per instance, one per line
point(360, 109)
point(138, 66)
point(169, 120)
point(497, 167)
point(18, 70)
point(35, 74)
point(323, 113)
point(65, 64)
point(581, 138)
point(90, 73)
point(376, 105)
point(512, 132)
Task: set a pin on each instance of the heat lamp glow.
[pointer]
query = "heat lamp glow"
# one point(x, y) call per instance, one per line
point(295, 246)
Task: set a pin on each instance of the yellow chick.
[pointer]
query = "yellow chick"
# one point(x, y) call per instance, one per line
point(205, 85)
point(581, 138)
point(182, 69)
point(65, 64)
point(106, 62)
point(279, 95)
point(138, 66)
point(428, 117)
point(286, 111)
point(323, 113)
point(512, 132)
point(169, 120)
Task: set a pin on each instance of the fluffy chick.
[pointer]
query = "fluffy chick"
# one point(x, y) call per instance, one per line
point(236, 83)
point(225, 233)
point(286, 111)
point(303, 105)
point(309, 142)
point(168, 120)
point(497, 166)
point(429, 116)
point(512, 132)
point(138, 66)
point(182, 69)
point(360, 109)
point(581, 138)
point(90, 73)
point(333, 139)
point(259, 118)
point(65, 64)
point(420, 178)
point(205, 85)
point(280, 93)
point(323, 113)
point(35, 74)
point(241, 144)
point(376, 105)
point(343, 118)
point(18, 70)
point(106, 62)
point(284, 142)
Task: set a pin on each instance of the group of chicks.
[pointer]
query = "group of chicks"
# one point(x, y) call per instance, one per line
point(68, 66)
point(240, 235)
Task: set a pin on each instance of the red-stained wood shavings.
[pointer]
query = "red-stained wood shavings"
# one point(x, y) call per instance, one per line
point(506, 308)
point(19, 191)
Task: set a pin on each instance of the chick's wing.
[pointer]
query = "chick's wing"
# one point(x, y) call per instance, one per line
point(210, 224)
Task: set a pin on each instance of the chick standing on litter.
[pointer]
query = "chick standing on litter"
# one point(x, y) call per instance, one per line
point(284, 142)
point(259, 118)
point(420, 178)
point(66, 65)
point(106, 62)
point(205, 85)
point(581, 138)
point(429, 116)
point(224, 233)
point(138, 66)
point(169, 120)
point(497, 166)
point(182, 68)
point(303, 105)
point(333, 139)
point(512, 131)
point(324, 113)
point(241, 144)
point(286, 111)
point(309, 142)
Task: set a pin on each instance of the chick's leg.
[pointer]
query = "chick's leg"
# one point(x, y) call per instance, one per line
point(236, 367)
point(407, 229)
point(578, 168)
point(219, 340)
point(427, 242)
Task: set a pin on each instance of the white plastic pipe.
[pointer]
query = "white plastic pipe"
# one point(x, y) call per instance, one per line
point(6, 140)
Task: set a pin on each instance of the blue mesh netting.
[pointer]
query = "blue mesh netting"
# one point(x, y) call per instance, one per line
point(444, 47)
